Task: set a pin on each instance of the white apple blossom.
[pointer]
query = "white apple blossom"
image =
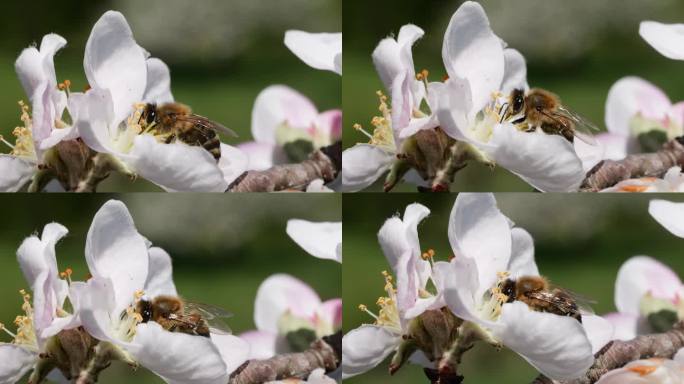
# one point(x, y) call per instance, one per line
point(45, 128)
point(47, 316)
point(322, 240)
point(648, 371)
point(667, 39)
point(488, 249)
point(285, 304)
point(318, 50)
point(122, 77)
point(364, 163)
point(644, 286)
point(670, 215)
point(481, 71)
point(367, 346)
point(672, 181)
point(124, 269)
point(282, 115)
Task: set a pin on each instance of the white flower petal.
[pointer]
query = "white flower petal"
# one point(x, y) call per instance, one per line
point(35, 67)
point(95, 114)
point(555, 345)
point(15, 172)
point(166, 354)
point(362, 165)
point(233, 163)
point(632, 95)
point(280, 104)
point(233, 350)
point(641, 275)
point(670, 215)
point(625, 325)
point(160, 275)
point(318, 50)
point(279, 294)
point(547, 162)
point(331, 311)
point(393, 57)
point(114, 61)
point(161, 164)
point(515, 71)
point(472, 51)
point(262, 344)
point(461, 290)
point(16, 362)
point(158, 89)
point(522, 254)
point(667, 39)
point(479, 231)
point(599, 331)
point(98, 305)
point(593, 154)
point(115, 250)
point(365, 347)
point(318, 239)
point(453, 106)
point(262, 156)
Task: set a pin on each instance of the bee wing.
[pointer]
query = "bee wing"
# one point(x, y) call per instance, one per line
point(212, 315)
point(583, 303)
point(582, 128)
point(202, 122)
point(562, 302)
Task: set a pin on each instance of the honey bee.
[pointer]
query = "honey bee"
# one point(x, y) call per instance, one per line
point(177, 315)
point(539, 108)
point(541, 296)
point(175, 121)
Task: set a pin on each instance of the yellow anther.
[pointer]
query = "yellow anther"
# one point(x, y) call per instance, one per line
point(363, 307)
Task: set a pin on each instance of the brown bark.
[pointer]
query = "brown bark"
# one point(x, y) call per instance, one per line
point(608, 173)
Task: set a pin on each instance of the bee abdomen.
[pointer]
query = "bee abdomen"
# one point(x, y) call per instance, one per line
point(205, 138)
point(213, 146)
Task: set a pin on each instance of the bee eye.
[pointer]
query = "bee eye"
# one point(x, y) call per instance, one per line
point(518, 103)
point(151, 113)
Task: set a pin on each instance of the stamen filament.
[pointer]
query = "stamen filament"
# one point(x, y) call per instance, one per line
point(7, 331)
point(359, 128)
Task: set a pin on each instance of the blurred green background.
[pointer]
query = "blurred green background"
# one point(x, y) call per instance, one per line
point(576, 49)
point(223, 247)
point(581, 241)
point(221, 53)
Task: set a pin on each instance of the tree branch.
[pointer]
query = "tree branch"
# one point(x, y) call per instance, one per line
point(325, 353)
point(607, 173)
point(324, 163)
point(618, 353)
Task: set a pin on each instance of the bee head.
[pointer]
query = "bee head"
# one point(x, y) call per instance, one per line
point(508, 289)
point(517, 101)
point(145, 310)
point(149, 114)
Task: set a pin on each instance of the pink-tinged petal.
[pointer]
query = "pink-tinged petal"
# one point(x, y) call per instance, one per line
point(625, 325)
point(479, 231)
point(330, 124)
point(279, 294)
point(263, 344)
point(115, 250)
point(615, 146)
point(159, 163)
point(279, 104)
point(233, 163)
point(630, 96)
point(556, 346)
point(362, 165)
point(599, 331)
point(35, 67)
point(392, 57)
point(114, 61)
point(472, 51)
point(522, 254)
point(515, 71)
point(413, 215)
point(318, 239)
point(677, 113)
point(15, 172)
point(547, 162)
point(670, 215)
point(365, 347)
point(641, 275)
point(16, 362)
point(158, 89)
point(331, 311)
point(233, 350)
point(667, 39)
point(318, 50)
point(160, 276)
point(31, 259)
point(166, 354)
point(262, 156)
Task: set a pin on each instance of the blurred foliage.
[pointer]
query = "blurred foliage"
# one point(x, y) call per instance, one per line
point(221, 53)
point(226, 271)
point(580, 240)
point(576, 49)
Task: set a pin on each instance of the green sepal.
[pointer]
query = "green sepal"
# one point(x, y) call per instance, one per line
point(652, 140)
point(300, 340)
point(662, 321)
point(298, 150)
